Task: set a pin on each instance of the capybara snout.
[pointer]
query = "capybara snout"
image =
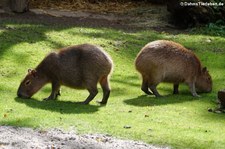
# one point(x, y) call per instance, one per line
point(31, 84)
point(204, 82)
point(167, 61)
point(81, 66)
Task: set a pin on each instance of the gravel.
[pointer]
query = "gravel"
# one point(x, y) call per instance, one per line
point(27, 138)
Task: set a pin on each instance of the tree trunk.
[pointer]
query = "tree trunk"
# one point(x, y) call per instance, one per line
point(15, 5)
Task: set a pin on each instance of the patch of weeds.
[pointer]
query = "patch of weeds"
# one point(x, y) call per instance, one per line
point(212, 29)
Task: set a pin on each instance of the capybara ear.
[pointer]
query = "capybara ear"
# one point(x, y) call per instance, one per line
point(32, 72)
point(204, 69)
point(29, 70)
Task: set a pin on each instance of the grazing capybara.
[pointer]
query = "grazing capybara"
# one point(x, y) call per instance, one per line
point(167, 61)
point(79, 66)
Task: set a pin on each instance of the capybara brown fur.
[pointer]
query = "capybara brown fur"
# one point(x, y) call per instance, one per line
point(167, 61)
point(79, 66)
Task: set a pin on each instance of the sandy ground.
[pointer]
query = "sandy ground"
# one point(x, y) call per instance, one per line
point(154, 18)
point(27, 138)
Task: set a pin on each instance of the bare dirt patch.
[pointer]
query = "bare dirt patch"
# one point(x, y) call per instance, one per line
point(27, 138)
point(131, 19)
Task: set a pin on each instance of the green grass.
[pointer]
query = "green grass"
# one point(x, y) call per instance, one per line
point(179, 121)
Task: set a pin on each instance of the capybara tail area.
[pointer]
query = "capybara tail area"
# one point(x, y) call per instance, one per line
point(104, 82)
point(137, 64)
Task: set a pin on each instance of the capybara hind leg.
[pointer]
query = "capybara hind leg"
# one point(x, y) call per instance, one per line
point(154, 90)
point(55, 91)
point(176, 88)
point(144, 86)
point(104, 82)
point(93, 91)
point(58, 93)
point(192, 89)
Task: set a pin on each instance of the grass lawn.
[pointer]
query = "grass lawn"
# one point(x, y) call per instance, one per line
point(179, 121)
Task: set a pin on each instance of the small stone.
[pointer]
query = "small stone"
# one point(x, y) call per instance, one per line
point(210, 110)
point(127, 127)
point(208, 40)
point(218, 111)
point(62, 143)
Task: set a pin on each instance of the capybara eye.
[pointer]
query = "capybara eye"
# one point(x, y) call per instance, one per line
point(28, 82)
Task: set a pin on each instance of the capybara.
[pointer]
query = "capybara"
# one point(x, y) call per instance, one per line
point(80, 66)
point(167, 61)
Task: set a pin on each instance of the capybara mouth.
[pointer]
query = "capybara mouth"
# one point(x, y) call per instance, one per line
point(23, 96)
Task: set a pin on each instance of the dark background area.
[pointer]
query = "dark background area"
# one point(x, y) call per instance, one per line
point(182, 16)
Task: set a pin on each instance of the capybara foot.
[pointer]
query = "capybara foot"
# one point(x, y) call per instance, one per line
point(147, 92)
point(196, 95)
point(102, 102)
point(49, 98)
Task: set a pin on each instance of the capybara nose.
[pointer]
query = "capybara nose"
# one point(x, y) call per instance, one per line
point(19, 94)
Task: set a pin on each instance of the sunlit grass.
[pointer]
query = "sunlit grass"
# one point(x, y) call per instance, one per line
point(180, 121)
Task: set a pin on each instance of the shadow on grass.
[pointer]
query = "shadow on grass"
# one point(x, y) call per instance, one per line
point(63, 107)
point(151, 100)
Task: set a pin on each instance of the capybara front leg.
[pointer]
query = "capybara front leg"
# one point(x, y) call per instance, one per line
point(55, 91)
point(154, 90)
point(104, 82)
point(192, 89)
point(176, 88)
point(144, 86)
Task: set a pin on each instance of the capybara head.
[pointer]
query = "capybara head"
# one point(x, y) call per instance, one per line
point(204, 81)
point(31, 84)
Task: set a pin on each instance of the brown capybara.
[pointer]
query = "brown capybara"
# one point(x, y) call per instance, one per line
point(80, 66)
point(167, 61)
